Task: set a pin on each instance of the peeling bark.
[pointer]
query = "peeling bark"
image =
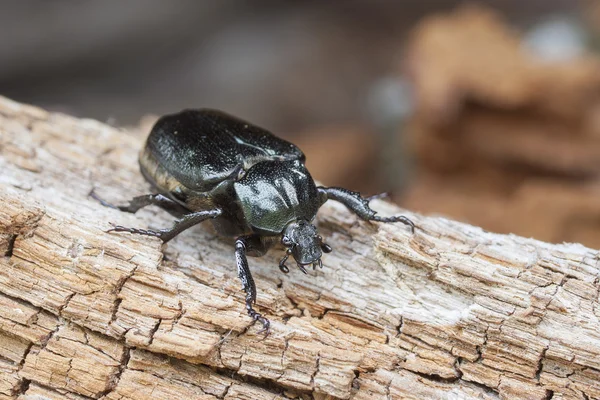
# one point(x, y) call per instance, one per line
point(449, 312)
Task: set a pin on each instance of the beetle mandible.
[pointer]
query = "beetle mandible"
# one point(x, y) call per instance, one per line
point(205, 164)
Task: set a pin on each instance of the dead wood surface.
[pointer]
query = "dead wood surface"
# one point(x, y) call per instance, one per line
point(451, 312)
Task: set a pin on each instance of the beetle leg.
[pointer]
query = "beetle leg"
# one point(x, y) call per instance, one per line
point(152, 199)
point(145, 200)
point(100, 200)
point(360, 206)
point(187, 221)
point(248, 285)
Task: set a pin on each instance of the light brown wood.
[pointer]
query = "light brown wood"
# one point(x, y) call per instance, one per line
point(451, 312)
point(517, 157)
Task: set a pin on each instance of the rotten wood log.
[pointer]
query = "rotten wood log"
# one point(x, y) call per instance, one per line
point(450, 312)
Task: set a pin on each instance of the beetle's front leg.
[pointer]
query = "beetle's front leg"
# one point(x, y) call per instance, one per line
point(185, 222)
point(355, 202)
point(248, 284)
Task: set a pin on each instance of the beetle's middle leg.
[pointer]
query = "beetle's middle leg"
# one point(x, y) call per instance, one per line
point(183, 223)
point(241, 246)
point(138, 202)
point(359, 205)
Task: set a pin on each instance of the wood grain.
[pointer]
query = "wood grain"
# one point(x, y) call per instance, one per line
point(451, 312)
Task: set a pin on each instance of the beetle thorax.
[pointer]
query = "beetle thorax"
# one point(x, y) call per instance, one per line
point(275, 193)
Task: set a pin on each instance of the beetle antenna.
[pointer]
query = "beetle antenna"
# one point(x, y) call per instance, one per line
point(282, 265)
point(324, 246)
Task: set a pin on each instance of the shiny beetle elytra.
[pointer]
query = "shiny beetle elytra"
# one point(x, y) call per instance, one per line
point(205, 164)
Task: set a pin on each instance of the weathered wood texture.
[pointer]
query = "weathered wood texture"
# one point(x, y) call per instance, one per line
point(449, 312)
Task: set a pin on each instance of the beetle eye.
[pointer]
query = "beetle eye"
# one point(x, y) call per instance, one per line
point(286, 241)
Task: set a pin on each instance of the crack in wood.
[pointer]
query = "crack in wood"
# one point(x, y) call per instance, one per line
point(541, 363)
point(114, 380)
point(316, 370)
point(10, 246)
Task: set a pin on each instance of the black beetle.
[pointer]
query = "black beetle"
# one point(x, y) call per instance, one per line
point(206, 164)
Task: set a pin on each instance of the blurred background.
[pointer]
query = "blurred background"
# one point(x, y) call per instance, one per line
point(486, 112)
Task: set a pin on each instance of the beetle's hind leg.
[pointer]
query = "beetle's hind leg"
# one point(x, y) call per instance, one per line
point(355, 202)
point(185, 222)
point(138, 202)
point(248, 284)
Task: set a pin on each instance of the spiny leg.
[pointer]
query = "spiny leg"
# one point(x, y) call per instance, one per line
point(139, 202)
point(185, 222)
point(355, 202)
point(248, 284)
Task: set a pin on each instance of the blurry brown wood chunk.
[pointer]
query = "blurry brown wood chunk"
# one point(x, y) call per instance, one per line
point(504, 139)
point(341, 155)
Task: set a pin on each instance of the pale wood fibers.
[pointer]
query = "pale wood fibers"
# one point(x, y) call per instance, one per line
point(449, 312)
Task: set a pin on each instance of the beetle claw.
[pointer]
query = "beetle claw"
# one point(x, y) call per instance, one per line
point(113, 227)
point(100, 200)
point(266, 329)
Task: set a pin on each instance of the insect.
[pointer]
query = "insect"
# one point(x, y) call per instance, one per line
point(207, 165)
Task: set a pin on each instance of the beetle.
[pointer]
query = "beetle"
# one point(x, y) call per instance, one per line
point(205, 164)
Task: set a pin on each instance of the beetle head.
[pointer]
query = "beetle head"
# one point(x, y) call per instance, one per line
point(304, 244)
